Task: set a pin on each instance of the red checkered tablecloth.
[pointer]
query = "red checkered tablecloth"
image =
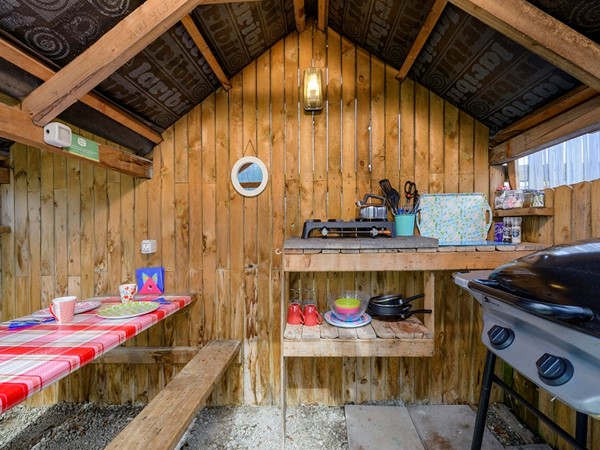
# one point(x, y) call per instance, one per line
point(32, 358)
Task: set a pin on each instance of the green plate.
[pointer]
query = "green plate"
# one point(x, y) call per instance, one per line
point(125, 310)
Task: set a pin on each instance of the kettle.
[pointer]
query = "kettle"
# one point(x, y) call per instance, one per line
point(372, 211)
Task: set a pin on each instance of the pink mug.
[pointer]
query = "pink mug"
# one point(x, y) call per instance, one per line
point(295, 316)
point(311, 315)
point(63, 308)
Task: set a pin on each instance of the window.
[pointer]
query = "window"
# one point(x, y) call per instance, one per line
point(567, 163)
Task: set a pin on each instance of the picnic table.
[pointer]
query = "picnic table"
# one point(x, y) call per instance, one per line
point(34, 357)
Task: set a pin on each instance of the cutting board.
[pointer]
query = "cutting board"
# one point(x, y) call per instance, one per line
point(455, 219)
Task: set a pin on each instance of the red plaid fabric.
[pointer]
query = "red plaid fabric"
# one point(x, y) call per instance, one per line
point(35, 357)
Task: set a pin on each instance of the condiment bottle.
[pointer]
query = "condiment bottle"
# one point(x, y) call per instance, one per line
point(516, 230)
point(507, 230)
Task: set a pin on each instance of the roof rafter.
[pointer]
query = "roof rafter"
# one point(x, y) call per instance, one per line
point(16, 125)
point(584, 118)
point(300, 15)
point(198, 39)
point(559, 106)
point(428, 25)
point(322, 14)
point(38, 69)
point(125, 40)
point(528, 25)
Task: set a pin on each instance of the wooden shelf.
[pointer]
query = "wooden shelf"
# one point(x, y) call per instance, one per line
point(523, 212)
point(409, 338)
point(379, 338)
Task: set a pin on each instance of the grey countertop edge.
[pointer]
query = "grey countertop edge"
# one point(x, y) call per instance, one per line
point(401, 242)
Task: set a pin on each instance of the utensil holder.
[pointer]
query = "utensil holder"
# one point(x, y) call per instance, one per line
point(404, 224)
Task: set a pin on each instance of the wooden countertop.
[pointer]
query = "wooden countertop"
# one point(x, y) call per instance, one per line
point(395, 254)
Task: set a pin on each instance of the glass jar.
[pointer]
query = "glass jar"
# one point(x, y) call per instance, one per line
point(539, 199)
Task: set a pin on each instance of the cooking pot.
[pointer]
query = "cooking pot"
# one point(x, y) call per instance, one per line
point(372, 211)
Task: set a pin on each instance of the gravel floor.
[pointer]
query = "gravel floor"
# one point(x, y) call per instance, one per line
point(63, 426)
point(67, 426)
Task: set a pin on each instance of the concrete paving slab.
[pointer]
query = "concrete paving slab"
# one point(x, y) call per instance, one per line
point(448, 427)
point(381, 427)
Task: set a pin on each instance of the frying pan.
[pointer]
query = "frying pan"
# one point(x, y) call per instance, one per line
point(399, 312)
point(393, 300)
point(394, 307)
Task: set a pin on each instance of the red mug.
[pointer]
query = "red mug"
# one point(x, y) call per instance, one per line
point(295, 316)
point(311, 315)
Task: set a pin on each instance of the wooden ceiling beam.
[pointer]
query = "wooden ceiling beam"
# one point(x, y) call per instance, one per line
point(39, 70)
point(559, 106)
point(322, 15)
point(300, 15)
point(542, 34)
point(584, 118)
point(196, 36)
point(16, 125)
point(428, 25)
point(121, 43)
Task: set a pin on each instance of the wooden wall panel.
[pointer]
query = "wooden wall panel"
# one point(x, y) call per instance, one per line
point(576, 216)
point(225, 247)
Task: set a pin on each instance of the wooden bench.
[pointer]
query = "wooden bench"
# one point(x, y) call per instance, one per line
point(164, 420)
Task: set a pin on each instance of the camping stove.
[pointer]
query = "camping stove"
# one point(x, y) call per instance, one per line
point(350, 228)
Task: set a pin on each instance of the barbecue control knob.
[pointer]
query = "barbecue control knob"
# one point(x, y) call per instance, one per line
point(554, 370)
point(500, 337)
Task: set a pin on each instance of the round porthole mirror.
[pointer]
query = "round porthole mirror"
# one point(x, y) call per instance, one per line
point(249, 176)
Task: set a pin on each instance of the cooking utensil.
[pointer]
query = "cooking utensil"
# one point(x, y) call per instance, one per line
point(393, 299)
point(394, 312)
point(412, 194)
point(372, 211)
point(391, 305)
point(391, 194)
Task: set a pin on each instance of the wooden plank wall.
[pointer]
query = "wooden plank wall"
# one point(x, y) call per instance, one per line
point(576, 216)
point(77, 228)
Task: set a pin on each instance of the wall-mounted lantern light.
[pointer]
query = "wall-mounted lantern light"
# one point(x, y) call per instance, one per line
point(313, 90)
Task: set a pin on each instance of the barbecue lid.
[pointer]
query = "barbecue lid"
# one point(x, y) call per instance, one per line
point(565, 274)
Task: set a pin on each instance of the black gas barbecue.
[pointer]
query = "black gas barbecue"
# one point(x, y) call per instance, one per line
point(541, 315)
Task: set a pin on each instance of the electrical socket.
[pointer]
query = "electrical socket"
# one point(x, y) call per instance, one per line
point(148, 246)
